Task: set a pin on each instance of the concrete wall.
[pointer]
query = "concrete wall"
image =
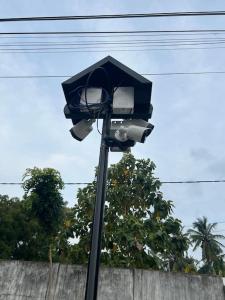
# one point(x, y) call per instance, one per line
point(27, 280)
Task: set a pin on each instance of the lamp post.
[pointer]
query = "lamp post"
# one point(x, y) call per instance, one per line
point(107, 90)
point(96, 233)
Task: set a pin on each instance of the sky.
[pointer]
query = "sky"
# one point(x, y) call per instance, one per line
point(188, 139)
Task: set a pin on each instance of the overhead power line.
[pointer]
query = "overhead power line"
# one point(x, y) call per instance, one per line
point(110, 45)
point(93, 50)
point(144, 74)
point(67, 183)
point(194, 181)
point(99, 46)
point(116, 16)
point(130, 32)
point(184, 73)
point(163, 182)
point(127, 41)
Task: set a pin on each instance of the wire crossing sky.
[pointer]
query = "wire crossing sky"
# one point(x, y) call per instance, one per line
point(116, 16)
point(124, 32)
point(163, 182)
point(144, 74)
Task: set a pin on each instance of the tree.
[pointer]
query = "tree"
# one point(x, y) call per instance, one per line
point(62, 247)
point(11, 225)
point(43, 195)
point(21, 236)
point(42, 189)
point(219, 264)
point(202, 236)
point(139, 230)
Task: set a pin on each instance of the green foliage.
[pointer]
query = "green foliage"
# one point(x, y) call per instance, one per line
point(42, 191)
point(139, 230)
point(42, 195)
point(39, 222)
point(212, 253)
point(61, 246)
point(21, 235)
point(11, 219)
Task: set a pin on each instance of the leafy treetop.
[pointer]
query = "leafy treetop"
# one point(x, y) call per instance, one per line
point(139, 230)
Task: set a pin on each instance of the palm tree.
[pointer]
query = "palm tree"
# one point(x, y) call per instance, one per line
point(202, 236)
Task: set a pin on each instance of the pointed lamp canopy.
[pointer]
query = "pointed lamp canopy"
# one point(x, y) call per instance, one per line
point(109, 74)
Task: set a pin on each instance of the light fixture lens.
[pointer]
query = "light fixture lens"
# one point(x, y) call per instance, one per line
point(89, 98)
point(135, 130)
point(123, 100)
point(121, 134)
point(80, 130)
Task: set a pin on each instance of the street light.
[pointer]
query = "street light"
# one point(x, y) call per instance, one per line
point(136, 130)
point(81, 129)
point(107, 90)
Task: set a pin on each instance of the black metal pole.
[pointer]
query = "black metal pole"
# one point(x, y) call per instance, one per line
point(94, 258)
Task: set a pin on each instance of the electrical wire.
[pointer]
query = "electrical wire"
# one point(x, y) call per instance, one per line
point(113, 33)
point(87, 85)
point(108, 92)
point(194, 181)
point(158, 42)
point(143, 74)
point(76, 102)
point(70, 50)
point(184, 73)
point(163, 182)
point(94, 109)
point(107, 34)
point(127, 44)
point(115, 16)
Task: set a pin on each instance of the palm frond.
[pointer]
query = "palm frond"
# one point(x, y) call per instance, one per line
point(218, 236)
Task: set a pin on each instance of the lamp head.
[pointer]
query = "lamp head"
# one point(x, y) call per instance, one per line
point(135, 130)
point(138, 133)
point(128, 93)
point(81, 129)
